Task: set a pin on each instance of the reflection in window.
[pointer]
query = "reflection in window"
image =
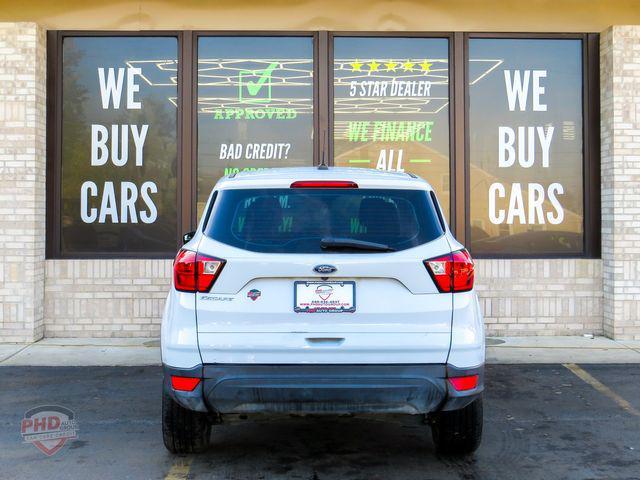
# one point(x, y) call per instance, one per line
point(525, 145)
point(391, 106)
point(255, 106)
point(297, 220)
point(119, 144)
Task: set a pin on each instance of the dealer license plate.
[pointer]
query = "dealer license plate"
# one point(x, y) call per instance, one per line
point(324, 297)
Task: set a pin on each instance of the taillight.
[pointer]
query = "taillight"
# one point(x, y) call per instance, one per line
point(184, 384)
point(324, 184)
point(464, 383)
point(193, 272)
point(453, 272)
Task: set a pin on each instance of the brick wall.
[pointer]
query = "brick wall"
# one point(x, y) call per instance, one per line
point(620, 139)
point(105, 298)
point(124, 298)
point(540, 297)
point(22, 180)
point(86, 298)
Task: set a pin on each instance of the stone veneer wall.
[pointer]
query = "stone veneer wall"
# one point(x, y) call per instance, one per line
point(22, 180)
point(124, 298)
point(620, 166)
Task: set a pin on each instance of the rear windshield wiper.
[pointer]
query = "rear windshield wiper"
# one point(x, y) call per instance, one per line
point(331, 243)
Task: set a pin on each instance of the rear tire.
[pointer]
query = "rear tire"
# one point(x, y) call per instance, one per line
point(183, 430)
point(458, 432)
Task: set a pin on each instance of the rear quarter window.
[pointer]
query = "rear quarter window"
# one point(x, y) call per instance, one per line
point(296, 220)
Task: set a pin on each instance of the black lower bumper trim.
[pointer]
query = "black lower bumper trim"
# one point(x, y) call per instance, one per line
point(326, 389)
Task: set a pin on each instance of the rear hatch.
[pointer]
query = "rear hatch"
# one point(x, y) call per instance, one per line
point(324, 275)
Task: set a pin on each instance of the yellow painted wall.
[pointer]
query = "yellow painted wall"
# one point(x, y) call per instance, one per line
point(409, 15)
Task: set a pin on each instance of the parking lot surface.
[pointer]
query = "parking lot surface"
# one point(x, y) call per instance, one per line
point(541, 422)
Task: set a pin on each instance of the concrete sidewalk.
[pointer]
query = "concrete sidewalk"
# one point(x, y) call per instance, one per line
point(574, 349)
point(82, 352)
point(146, 351)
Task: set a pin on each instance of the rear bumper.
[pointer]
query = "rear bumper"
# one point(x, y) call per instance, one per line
point(321, 388)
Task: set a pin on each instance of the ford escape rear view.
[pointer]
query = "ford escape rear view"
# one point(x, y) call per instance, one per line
point(312, 291)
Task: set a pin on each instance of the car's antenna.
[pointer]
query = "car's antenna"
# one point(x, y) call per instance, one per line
point(323, 165)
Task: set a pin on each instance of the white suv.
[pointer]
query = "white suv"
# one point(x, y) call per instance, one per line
point(322, 291)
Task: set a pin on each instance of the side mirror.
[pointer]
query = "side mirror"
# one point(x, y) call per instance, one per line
point(187, 237)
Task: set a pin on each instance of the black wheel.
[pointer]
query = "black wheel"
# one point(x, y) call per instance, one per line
point(184, 431)
point(458, 432)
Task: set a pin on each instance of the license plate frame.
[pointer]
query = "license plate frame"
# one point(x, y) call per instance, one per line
point(324, 305)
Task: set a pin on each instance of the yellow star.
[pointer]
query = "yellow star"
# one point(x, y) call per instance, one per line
point(408, 66)
point(373, 66)
point(391, 66)
point(356, 66)
point(426, 66)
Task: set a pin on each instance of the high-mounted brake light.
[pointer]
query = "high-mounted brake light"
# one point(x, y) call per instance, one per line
point(193, 272)
point(464, 383)
point(453, 272)
point(324, 184)
point(184, 384)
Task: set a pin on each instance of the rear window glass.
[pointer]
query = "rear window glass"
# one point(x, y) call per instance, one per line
point(297, 220)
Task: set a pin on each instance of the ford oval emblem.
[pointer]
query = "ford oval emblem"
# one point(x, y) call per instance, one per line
point(324, 269)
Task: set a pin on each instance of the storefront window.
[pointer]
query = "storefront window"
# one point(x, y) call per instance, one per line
point(133, 151)
point(118, 152)
point(525, 146)
point(391, 106)
point(255, 106)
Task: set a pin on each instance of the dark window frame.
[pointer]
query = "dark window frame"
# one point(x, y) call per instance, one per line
point(323, 127)
point(193, 126)
point(590, 142)
point(53, 234)
point(453, 164)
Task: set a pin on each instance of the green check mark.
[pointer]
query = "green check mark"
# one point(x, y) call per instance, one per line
point(254, 87)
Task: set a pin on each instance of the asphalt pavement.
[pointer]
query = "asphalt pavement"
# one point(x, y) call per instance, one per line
point(541, 422)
